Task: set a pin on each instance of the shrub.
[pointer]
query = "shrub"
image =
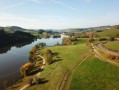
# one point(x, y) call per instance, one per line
point(91, 40)
point(26, 68)
point(111, 38)
point(103, 39)
point(66, 41)
point(49, 56)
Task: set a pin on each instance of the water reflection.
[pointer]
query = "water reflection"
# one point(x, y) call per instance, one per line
point(5, 49)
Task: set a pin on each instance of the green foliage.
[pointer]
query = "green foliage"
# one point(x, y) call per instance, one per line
point(49, 56)
point(103, 39)
point(91, 39)
point(41, 31)
point(42, 45)
point(69, 40)
point(9, 39)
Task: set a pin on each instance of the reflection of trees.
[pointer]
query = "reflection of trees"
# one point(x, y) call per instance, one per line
point(18, 39)
point(18, 45)
point(8, 39)
point(4, 49)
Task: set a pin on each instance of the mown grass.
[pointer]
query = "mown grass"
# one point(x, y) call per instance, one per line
point(67, 56)
point(112, 45)
point(94, 74)
point(108, 33)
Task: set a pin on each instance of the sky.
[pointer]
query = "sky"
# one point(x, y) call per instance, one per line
point(58, 14)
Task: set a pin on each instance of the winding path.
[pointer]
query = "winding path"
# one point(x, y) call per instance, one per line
point(104, 49)
point(98, 55)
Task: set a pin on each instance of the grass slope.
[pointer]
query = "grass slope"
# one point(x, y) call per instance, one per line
point(94, 74)
point(112, 45)
point(67, 56)
point(108, 33)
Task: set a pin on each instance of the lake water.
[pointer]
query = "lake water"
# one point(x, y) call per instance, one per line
point(12, 60)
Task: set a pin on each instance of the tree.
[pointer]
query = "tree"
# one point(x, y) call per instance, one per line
point(111, 38)
point(41, 31)
point(91, 40)
point(49, 56)
point(25, 69)
point(66, 41)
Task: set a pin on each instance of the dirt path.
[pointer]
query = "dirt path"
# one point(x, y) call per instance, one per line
point(97, 54)
point(66, 75)
point(36, 75)
point(104, 49)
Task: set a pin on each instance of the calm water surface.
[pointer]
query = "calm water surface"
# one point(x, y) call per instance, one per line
point(12, 60)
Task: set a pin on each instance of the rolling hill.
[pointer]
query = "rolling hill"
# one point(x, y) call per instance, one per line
point(108, 33)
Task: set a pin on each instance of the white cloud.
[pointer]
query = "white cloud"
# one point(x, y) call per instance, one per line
point(65, 5)
point(59, 3)
point(11, 6)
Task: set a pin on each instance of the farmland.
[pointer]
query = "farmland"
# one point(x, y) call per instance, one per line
point(94, 73)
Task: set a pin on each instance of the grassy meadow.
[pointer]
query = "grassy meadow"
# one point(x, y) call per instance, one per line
point(66, 57)
point(108, 33)
point(94, 74)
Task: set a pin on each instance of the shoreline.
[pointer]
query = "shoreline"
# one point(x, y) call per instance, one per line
point(24, 82)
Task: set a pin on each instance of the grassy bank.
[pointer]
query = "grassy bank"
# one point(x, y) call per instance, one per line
point(94, 74)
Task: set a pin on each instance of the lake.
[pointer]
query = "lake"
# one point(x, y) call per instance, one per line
point(15, 57)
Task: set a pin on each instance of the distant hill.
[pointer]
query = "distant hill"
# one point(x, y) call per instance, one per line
point(87, 29)
point(15, 28)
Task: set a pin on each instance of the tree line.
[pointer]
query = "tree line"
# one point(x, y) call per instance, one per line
point(9, 39)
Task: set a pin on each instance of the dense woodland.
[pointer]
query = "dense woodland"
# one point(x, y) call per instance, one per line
point(11, 39)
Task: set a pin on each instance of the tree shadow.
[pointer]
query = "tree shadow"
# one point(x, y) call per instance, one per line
point(55, 54)
point(56, 61)
point(43, 81)
point(35, 71)
point(40, 81)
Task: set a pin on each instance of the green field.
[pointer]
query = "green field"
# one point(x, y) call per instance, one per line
point(108, 33)
point(112, 45)
point(67, 57)
point(94, 74)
